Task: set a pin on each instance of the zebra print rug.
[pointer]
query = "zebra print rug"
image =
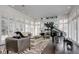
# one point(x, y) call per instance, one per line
point(37, 46)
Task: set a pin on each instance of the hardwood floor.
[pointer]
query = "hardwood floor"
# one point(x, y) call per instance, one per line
point(50, 49)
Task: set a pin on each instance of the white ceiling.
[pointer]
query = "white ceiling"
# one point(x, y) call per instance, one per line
point(43, 10)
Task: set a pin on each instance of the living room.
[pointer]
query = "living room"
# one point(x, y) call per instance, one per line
point(39, 29)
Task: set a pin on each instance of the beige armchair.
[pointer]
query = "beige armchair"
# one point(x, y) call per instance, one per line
point(17, 45)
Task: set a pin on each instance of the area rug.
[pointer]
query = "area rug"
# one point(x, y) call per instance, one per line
point(37, 46)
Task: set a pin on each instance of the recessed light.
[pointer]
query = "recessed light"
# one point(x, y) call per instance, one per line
point(66, 12)
point(12, 5)
point(44, 18)
point(69, 7)
point(22, 5)
point(41, 18)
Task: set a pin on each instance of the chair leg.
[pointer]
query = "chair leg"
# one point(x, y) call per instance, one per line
point(29, 48)
point(7, 51)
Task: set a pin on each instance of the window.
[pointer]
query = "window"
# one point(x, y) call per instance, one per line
point(32, 29)
point(70, 28)
point(66, 29)
point(26, 27)
point(73, 30)
point(4, 29)
point(78, 29)
point(37, 28)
